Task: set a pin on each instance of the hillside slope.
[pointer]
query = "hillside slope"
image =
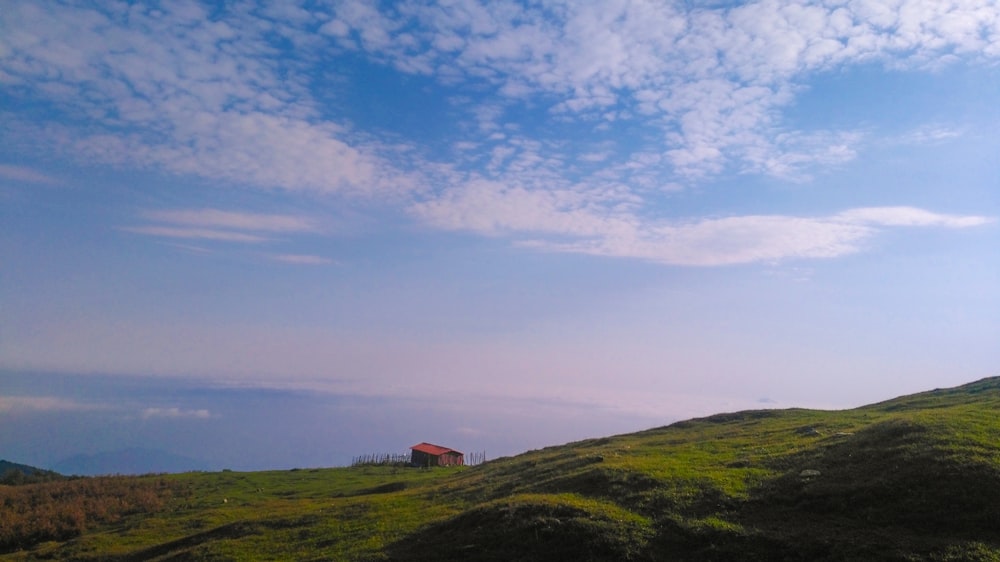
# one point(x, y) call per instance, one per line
point(914, 478)
point(12, 473)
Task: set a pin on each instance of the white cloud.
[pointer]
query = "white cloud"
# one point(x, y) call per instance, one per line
point(175, 413)
point(728, 241)
point(712, 78)
point(799, 152)
point(302, 259)
point(490, 207)
point(217, 218)
point(16, 404)
point(595, 156)
point(263, 150)
point(24, 174)
point(195, 233)
point(930, 134)
point(568, 221)
point(221, 225)
point(219, 98)
point(189, 96)
point(769, 238)
point(469, 431)
point(909, 216)
point(215, 99)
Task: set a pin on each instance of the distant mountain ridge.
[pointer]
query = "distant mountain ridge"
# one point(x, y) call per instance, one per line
point(133, 460)
point(12, 473)
point(27, 470)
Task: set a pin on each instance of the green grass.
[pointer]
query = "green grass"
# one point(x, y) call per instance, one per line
point(531, 527)
point(335, 513)
point(915, 478)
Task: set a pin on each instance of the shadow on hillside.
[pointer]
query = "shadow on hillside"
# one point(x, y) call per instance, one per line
point(526, 529)
point(890, 487)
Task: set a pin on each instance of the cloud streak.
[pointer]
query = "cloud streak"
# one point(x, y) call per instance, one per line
point(195, 233)
point(26, 175)
point(216, 218)
point(45, 404)
point(301, 259)
point(175, 413)
point(571, 224)
point(223, 226)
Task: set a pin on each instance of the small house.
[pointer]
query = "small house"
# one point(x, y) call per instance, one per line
point(426, 454)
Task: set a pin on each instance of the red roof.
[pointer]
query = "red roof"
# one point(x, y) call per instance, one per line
point(435, 450)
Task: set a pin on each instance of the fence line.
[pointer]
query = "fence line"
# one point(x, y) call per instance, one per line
point(381, 459)
point(403, 459)
point(478, 457)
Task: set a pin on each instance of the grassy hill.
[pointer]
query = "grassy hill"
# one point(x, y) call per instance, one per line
point(915, 478)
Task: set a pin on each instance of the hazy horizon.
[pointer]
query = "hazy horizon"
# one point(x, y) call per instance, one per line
point(254, 428)
point(287, 233)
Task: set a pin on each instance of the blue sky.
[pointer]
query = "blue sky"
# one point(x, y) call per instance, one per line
point(622, 212)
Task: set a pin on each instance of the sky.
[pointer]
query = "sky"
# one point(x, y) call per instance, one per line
point(272, 235)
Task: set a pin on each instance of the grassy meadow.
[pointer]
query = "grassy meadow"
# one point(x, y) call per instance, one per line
point(915, 478)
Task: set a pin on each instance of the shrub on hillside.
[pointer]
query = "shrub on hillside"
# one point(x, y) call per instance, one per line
point(61, 510)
